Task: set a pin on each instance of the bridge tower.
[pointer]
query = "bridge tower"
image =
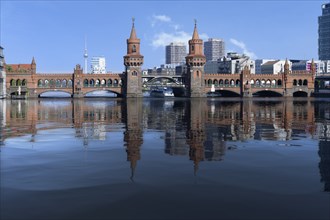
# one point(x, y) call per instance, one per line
point(286, 83)
point(195, 66)
point(245, 82)
point(77, 82)
point(133, 61)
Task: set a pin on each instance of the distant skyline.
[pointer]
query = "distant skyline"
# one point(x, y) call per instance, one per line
point(54, 31)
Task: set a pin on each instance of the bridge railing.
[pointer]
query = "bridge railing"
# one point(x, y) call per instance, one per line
point(267, 86)
point(224, 85)
point(102, 86)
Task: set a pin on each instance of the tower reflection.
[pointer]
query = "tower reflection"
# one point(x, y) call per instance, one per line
point(133, 135)
point(199, 129)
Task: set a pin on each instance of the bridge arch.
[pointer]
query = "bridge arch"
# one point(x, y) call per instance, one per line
point(160, 79)
point(227, 93)
point(55, 93)
point(305, 82)
point(300, 94)
point(101, 90)
point(64, 83)
point(267, 93)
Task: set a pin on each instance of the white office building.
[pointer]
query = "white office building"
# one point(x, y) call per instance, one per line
point(324, 67)
point(214, 49)
point(98, 65)
point(274, 67)
point(175, 53)
point(234, 63)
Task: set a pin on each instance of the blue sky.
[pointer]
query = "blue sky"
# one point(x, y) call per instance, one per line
point(54, 31)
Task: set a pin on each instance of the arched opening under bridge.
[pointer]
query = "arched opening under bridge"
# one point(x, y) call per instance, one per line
point(227, 93)
point(55, 94)
point(267, 93)
point(300, 94)
point(101, 94)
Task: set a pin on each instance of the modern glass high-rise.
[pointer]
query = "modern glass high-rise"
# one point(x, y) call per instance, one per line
point(175, 53)
point(324, 33)
point(214, 49)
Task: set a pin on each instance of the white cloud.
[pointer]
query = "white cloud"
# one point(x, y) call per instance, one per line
point(162, 39)
point(173, 33)
point(159, 18)
point(243, 47)
point(176, 26)
point(163, 18)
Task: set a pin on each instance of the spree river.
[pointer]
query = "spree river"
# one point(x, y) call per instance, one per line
point(165, 158)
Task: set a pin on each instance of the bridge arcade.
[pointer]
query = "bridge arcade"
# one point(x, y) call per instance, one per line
point(23, 80)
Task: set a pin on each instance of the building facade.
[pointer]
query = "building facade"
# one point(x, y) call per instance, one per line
point(175, 53)
point(98, 65)
point(211, 67)
point(275, 67)
point(2, 74)
point(260, 62)
point(164, 69)
point(324, 33)
point(214, 49)
point(325, 67)
point(305, 65)
point(234, 63)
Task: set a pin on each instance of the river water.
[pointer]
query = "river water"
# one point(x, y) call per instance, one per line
point(179, 158)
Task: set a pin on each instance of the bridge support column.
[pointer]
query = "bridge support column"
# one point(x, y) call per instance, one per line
point(287, 93)
point(247, 94)
point(32, 93)
point(78, 95)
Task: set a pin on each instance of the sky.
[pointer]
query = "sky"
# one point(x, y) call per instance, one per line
point(55, 32)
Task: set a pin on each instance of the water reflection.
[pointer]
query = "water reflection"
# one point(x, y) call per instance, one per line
point(200, 132)
point(200, 128)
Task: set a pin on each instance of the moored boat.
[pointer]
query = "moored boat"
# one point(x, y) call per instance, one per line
point(162, 92)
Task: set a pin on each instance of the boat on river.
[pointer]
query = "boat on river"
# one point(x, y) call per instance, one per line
point(161, 92)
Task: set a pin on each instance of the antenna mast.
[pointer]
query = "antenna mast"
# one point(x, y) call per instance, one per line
point(85, 56)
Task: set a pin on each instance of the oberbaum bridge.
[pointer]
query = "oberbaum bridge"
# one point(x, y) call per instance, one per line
point(23, 79)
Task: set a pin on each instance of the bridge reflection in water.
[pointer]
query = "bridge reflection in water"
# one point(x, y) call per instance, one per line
point(199, 129)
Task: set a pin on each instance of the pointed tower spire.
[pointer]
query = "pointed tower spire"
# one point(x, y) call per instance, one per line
point(33, 66)
point(195, 34)
point(286, 66)
point(195, 61)
point(133, 61)
point(133, 34)
point(313, 69)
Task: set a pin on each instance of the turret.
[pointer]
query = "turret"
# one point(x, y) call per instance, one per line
point(33, 66)
point(133, 61)
point(195, 66)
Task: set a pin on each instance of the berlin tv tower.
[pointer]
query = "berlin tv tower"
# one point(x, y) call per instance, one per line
point(85, 56)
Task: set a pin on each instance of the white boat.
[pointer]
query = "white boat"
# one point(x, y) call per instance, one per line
point(161, 92)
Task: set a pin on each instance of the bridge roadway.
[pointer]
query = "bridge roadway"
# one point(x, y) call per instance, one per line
point(30, 84)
